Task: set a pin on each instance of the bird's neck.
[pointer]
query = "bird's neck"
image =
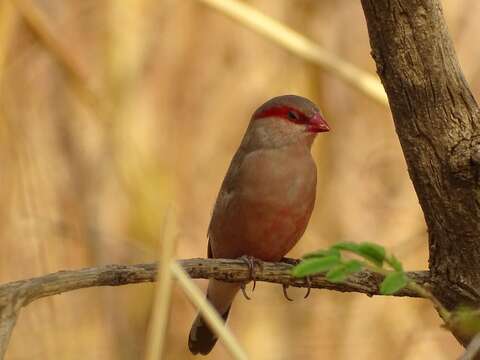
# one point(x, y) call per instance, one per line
point(276, 133)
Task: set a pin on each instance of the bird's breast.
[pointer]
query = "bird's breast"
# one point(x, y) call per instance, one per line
point(269, 206)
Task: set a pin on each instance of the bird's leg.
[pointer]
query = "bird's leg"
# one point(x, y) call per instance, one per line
point(294, 262)
point(251, 262)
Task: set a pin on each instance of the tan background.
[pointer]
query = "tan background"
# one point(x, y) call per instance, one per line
point(84, 184)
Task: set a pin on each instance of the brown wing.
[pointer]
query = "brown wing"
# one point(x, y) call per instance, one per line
point(223, 195)
point(209, 250)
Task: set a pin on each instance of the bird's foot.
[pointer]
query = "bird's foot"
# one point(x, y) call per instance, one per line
point(251, 262)
point(295, 262)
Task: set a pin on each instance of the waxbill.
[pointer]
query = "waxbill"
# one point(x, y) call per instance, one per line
point(266, 198)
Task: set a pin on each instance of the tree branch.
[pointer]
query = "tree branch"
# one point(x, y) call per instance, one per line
point(17, 294)
point(8, 319)
point(24, 292)
point(437, 121)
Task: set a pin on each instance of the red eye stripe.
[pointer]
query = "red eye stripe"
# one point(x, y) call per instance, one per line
point(283, 112)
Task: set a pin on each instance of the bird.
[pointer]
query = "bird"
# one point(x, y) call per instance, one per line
point(266, 199)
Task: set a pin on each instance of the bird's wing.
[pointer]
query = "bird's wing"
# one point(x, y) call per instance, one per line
point(225, 194)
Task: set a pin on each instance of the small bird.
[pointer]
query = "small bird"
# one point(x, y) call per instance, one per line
point(266, 198)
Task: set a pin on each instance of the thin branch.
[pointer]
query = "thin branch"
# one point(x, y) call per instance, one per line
point(32, 289)
point(301, 46)
point(17, 294)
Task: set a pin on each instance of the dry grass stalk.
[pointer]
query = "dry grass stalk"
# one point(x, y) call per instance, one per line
point(163, 290)
point(37, 23)
point(301, 46)
point(209, 313)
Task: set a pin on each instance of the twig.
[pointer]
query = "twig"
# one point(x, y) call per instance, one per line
point(208, 312)
point(421, 290)
point(301, 46)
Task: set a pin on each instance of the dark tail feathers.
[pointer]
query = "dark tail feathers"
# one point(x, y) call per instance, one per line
point(201, 339)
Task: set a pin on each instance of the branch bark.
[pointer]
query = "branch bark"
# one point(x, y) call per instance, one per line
point(15, 295)
point(437, 121)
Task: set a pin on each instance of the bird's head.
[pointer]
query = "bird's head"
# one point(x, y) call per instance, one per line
point(286, 119)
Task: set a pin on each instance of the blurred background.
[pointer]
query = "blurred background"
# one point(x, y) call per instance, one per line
point(119, 108)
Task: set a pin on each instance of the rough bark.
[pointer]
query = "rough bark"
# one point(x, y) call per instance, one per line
point(437, 122)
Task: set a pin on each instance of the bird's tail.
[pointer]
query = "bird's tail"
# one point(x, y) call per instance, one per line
point(202, 339)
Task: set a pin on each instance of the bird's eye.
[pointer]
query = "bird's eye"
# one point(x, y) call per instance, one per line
point(293, 116)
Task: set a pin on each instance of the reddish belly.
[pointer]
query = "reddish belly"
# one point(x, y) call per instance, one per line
point(263, 232)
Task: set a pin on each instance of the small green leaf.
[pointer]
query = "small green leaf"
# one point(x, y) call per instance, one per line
point(393, 282)
point(341, 271)
point(323, 253)
point(369, 251)
point(346, 246)
point(315, 265)
point(394, 263)
point(372, 252)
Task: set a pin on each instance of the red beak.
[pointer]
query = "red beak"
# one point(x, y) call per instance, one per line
point(317, 124)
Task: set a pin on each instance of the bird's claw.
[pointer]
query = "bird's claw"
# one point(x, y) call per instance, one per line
point(309, 284)
point(251, 262)
point(244, 292)
point(285, 286)
point(295, 262)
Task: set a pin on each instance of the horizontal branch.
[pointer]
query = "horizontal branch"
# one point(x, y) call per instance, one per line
point(17, 294)
point(24, 292)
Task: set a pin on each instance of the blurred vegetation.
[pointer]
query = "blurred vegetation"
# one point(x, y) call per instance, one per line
point(142, 105)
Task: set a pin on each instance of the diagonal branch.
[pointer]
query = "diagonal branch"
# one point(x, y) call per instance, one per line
point(437, 121)
point(8, 319)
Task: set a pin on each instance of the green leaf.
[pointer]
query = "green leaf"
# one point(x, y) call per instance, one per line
point(323, 253)
point(315, 265)
point(369, 251)
point(393, 282)
point(372, 252)
point(341, 271)
point(346, 246)
point(394, 263)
